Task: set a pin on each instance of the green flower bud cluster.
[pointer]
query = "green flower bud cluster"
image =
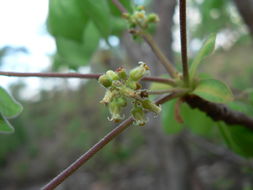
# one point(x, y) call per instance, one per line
point(121, 86)
point(140, 18)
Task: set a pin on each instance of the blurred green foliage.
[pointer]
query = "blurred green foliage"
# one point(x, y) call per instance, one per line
point(79, 25)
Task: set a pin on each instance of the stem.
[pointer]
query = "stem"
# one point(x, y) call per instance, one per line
point(51, 75)
point(173, 90)
point(119, 6)
point(148, 38)
point(183, 35)
point(81, 76)
point(157, 51)
point(100, 144)
point(85, 157)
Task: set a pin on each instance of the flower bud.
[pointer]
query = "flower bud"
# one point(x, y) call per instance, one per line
point(122, 73)
point(131, 84)
point(153, 18)
point(140, 8)
point(121, 101)
point(105, 81)
point(125, 15)
point(149, 105)
point(139, 116)
point(137, 73)
point(112, 75)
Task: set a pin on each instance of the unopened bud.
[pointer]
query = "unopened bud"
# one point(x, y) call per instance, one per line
point(112, 75)
point(137, 73)
point(125, 15)
point(149, 105)
point(105, 81)
point(140, 8)
point(121, 101)
point(131, 84)
point(122, 73)
point(153, 18)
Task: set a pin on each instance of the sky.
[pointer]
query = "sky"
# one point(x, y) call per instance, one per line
point(23, 25)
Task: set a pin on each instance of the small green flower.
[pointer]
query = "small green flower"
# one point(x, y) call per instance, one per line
point(149, 105)
point(138, 115)
point(112, 75)
point(105, 81)
point(137, 73)
point(131, 84)
point(122, 73)
point(108, 97)
point(115, 108)
point(152, 18)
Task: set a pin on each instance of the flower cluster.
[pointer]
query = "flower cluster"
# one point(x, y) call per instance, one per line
point(121, 86)
point(140, 18)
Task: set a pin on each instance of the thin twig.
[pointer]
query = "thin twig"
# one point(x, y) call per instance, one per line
point(157, 51)
point(81, 76)
point(172, 90)
point(119, 6)
point(50, 75)
point(93, 150)
point(153, 45)
point(183, 35)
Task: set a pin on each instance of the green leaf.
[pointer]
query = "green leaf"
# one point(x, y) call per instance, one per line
point(9, 107)
point(203, 125)
point(75, 54)
point(91, 39)
point(238, 138)
point(197, 121)
point(213, 91)
point(98, 11)
point(70, 53)
point(66, 19)
point(115, 11)
point(5, 126)
point(206, 50)
point(170, 125)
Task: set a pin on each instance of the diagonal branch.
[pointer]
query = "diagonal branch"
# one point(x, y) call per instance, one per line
point(93, 150)
point(85, 157)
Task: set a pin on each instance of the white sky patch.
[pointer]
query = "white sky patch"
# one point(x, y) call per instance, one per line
point(23, 25)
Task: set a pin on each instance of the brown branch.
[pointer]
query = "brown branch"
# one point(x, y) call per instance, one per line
point(183, 35)
point(50, 75)
point(219, 112)
point(93, 150)
point(81, 76)
point(120, 6)
point(85, 157)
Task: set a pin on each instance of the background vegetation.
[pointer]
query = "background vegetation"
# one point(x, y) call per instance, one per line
point(62, 123)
